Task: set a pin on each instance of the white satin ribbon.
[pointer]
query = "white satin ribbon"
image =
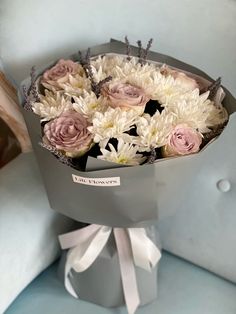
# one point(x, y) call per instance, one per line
point(133, 247)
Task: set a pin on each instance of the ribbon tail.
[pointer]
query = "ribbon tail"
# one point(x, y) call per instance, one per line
point(82, 256)
point(139, 248)
point(145, 252)
point(67, 281)
point(127, 268)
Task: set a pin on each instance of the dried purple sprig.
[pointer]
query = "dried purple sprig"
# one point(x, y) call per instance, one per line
point(85, 62)
point(212, 88)
point(140, 52)
point(89, 73)
point(58, 154)
point(128, 48)
point(152, 157)
point(31, 95)
point(80, 57)
point(100, 85)
point(88, 55)
point(24, 90)
point(33, 75)
point(27, 104)
point(33, 87)
point(145, 53)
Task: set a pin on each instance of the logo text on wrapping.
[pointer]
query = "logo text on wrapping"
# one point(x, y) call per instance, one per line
point(109, 181)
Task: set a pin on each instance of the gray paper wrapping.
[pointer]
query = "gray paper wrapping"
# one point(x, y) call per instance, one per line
point(116, 206)
point(144, 190)
point(101, 282)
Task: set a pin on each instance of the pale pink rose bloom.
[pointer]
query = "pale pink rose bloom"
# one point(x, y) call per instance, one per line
point(125, 96)
point(185, 80)
point(69, 134)
point(183, 140)
point(60, 72)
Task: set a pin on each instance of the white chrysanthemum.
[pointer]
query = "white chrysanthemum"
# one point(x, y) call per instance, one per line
point(108, 62)
point(159, 87)
point(126, 154)
point(132, 67)
point(196, 110)
point(153, 131)
point(164, 88)
point(75, 85)
point(102, 66)
point(88, 104)
point(120, 68)
point(51, 105)
point(148, 76)
point(98, 74)
point(112, 124)
point(140, 77)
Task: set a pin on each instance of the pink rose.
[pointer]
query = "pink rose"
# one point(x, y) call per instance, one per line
point(125, 96)
point(186, 81)
point(183, 140)
point(60, 72)
point(69, 134)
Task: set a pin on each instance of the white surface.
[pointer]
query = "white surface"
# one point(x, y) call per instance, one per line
point(28, 228)
point(200, 32)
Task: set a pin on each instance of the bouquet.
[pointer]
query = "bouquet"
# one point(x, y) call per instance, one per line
point(104, 125)
point(125, 110)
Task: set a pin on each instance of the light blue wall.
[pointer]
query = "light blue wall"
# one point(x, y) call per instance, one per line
point(200, 32)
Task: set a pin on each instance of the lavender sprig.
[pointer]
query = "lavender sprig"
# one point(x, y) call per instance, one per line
point(128, 48)
point(33, 75)
point(140, 52)
point(145, 53)
point(27, 104)
point(213, 88)
point(152, 157)
point(31, 95)
point(100, 85)
point(89, 73)
point(59, 155)
point(33, 87)
point(25, 92)
point(85, 62)
point(80, 57)
point(88, 55)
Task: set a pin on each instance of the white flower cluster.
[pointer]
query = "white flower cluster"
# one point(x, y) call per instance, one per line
point(113, 123)
point(51, 105)
point(141, 107)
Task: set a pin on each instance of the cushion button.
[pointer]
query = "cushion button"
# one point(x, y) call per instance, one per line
point(223, 185)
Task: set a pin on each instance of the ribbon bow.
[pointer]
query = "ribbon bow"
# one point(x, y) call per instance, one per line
point(133, 246)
